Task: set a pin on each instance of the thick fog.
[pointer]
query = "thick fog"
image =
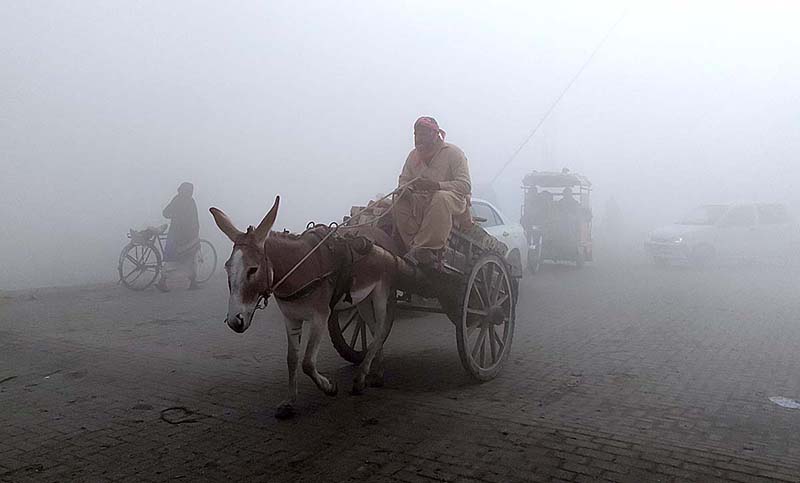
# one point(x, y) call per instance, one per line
point(106, 107)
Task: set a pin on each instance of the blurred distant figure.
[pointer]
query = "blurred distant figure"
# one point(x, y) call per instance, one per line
point(571, 214)
point(568, 206)
point(183, 238)
point(531, 202)
point(538, 208)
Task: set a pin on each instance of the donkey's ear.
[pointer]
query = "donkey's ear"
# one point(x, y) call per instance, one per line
point(263, 228)
point(224, 223)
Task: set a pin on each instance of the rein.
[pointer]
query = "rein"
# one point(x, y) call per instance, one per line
point(333, 227)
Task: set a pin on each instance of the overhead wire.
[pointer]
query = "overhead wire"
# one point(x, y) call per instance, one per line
point(558, 99)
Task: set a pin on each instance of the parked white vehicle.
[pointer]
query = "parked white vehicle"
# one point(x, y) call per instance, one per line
point(727, 232)
point(504, 229)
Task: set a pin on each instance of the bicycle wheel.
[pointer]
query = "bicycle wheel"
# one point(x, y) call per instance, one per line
point(206, 258)
point(139, 265)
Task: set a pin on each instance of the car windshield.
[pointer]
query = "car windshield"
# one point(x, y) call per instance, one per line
point(704, 215)
point(486, 214)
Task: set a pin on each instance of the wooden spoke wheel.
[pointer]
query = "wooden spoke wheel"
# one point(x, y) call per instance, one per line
point(206, 259)
point(351, 333)
point(139, 265)
point(486, 329)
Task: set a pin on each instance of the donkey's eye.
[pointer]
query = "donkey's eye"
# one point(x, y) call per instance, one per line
point(251, 271)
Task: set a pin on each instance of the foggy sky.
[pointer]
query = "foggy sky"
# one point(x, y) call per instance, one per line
point(105, 107)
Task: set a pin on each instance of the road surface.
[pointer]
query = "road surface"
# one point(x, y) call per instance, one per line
point(620, 371)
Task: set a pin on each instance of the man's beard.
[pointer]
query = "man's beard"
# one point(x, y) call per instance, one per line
point(427, 144)
point(426, 150)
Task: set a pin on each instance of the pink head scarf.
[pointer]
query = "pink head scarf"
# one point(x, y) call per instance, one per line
point(430, 123)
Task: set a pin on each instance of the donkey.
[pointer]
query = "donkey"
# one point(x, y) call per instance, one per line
point(261, 257)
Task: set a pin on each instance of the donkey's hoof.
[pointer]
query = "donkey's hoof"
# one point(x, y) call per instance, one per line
point(285, 411)
point(358, 387)
point(332, 390)
point(375, 380)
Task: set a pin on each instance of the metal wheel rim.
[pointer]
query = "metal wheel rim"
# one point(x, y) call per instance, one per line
point(207, 258)
point(484, 342)
point(135, 262)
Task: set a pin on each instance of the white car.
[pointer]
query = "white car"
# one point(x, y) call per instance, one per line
point(727, 232)
point(505, 230)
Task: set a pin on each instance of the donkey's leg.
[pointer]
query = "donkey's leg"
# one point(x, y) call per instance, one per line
point(294, 331)
point(379, 302)
point(375, 375)
point(318, 326)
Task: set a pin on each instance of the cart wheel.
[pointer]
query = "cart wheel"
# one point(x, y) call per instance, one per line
point(206, 258)
point(351, 334)
point(139, 265)
point(486, 329)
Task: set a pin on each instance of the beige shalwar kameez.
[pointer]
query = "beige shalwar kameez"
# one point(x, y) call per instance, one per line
point(424, 219)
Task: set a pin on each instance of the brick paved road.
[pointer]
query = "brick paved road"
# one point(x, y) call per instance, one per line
point(620, 371)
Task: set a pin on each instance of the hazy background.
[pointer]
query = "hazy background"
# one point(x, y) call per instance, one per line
point(105, 107)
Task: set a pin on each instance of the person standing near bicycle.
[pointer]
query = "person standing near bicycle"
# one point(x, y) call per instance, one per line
point(183, 238)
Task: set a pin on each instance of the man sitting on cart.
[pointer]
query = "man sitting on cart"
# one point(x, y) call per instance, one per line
point(439, 192)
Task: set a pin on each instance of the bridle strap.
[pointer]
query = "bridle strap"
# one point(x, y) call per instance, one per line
point(263, 298)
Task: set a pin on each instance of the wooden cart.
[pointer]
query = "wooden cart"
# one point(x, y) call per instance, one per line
point(476, 289)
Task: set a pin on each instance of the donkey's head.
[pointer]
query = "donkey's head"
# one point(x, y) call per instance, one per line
point(250, 273)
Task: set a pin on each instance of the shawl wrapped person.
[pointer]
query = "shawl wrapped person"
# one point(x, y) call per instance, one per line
point(183, 238)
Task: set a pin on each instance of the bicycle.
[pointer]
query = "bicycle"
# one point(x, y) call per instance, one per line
point(141, 260)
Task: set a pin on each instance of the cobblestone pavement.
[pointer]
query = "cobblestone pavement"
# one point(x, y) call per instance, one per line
point(619, 372)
